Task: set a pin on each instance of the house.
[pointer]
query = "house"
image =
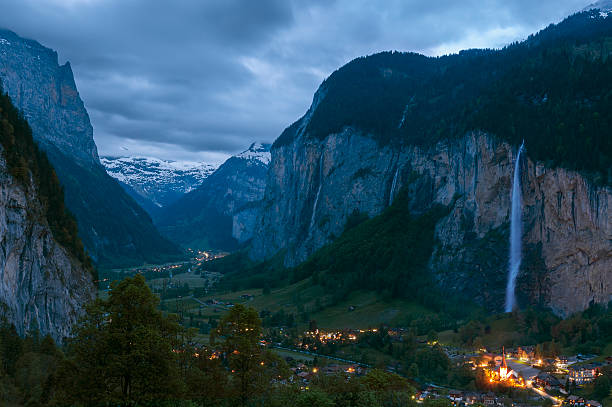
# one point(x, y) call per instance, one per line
point(472, 398)
point(593, 403)
point(489, 399)
point(562, 362)
point(547, 381)
point(583, 374)
point(525, 353)
point(305, 376)
point(455, 396)
point(575, 401)
point(422, 395)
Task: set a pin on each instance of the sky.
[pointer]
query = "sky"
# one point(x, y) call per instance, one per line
point(199, 80)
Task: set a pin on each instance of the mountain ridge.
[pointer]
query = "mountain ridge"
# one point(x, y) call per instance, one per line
point(156, 182)
point(115, 230)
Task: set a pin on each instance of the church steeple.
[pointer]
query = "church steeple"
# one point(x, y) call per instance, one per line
point(503, 369)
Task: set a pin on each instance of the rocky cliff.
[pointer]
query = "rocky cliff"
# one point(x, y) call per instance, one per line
point(41, 285)
point(114, 229)
point(314, 187)
point(47, 95)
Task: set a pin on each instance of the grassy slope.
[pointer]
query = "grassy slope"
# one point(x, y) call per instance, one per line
point(371, 310)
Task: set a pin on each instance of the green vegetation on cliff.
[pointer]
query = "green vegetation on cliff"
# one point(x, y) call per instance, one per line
point(386, 255)
point(25, 159)
point(552, 90)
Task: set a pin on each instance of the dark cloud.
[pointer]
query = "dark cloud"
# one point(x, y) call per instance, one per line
point(199, 79)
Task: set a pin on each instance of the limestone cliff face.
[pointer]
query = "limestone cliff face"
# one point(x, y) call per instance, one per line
point(313, 186)
point(41, 285)
point(47, 95)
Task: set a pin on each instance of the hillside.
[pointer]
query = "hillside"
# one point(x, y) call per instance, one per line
point(550, 90)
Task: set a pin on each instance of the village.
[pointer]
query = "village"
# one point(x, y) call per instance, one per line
point(534, 379)
point(552, 379)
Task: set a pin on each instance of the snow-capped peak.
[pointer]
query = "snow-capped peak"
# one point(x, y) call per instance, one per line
point(160, 181)
point(257, 151)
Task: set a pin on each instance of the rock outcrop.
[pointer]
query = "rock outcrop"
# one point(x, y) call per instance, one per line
point(47, 95)
point(445, 130)
point(41, 285)
point(313, 186)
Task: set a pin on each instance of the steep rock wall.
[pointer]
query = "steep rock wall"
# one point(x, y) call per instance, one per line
point(41, 286)
point(313, 186)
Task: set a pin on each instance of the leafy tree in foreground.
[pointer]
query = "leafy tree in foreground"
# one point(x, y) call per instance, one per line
point(122, 351)
point(252, 369)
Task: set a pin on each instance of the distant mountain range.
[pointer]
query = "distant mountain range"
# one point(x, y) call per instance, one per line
point(221, 212)
point(156, 183)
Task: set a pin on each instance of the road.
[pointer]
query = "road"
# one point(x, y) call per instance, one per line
point(556, 401)
point(305, 352)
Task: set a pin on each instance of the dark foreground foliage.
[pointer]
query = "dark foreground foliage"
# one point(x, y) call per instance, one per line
point(127, 353)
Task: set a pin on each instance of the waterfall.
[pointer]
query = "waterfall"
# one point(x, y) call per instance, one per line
point(393, 186)
point(515, 233)
point(316, 201)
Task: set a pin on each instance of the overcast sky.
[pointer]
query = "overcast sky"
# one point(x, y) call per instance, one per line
point(201, 79)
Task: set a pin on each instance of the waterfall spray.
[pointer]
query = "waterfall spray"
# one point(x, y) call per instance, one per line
point(515, 233)
point(393, 184)
point(316, 201)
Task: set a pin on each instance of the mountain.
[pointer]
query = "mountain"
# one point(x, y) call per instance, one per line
point(156, 183)
point(221, 212)
point(115, 230)
point(601, 5)
point(446, 132)
point(46, 276)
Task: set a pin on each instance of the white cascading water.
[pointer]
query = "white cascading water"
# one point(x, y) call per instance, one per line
point(316, 201)
point(515, 233)
point(393, 186)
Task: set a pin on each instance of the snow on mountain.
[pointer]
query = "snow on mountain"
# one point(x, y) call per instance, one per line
point(154, 182)
point(257, 151)
point(220, 213)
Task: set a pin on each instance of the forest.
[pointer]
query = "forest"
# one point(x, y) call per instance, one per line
point(552, 91)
